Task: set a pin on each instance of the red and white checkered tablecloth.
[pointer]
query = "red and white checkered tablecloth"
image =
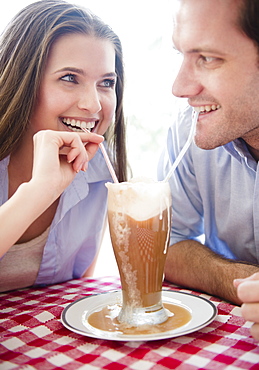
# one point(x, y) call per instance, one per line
point(32, 336)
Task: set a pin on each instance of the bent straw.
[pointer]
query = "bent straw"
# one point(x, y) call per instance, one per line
point(185, 147)
point(107, 160)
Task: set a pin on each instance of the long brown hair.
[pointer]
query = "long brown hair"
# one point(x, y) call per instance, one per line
point(24, 49)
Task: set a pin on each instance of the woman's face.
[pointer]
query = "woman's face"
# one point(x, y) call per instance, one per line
point(78, 86)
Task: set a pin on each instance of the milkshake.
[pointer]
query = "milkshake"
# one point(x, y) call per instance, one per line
point(139, 214)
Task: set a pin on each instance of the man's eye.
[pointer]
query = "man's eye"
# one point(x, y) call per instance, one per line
point(69, 78)
point(208, 59)
point(210, 62)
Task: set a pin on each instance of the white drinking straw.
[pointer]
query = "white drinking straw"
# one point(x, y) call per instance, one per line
point(185, 147)
point(107, 160)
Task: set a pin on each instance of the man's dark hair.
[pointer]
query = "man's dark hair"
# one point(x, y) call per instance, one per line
point(249, 19)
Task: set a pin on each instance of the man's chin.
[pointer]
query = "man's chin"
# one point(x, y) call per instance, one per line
point(208, 144)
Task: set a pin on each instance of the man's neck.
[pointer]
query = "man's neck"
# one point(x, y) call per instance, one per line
point(253, 151)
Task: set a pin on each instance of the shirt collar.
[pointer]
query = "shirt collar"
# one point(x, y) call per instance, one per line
point(238, 149)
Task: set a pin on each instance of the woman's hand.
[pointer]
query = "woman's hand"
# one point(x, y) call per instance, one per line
point(59, 155)
point(248, 292)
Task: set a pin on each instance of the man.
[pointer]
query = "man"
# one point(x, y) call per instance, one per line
point(248, 292)
point(215, 188)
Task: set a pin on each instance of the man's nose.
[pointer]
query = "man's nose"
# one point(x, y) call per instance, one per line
point(186, 83)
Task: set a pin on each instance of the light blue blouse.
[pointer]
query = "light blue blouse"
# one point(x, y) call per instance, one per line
point(76, 231)
point(215, 193)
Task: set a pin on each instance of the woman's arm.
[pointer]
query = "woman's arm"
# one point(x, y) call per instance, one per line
point(58, 156)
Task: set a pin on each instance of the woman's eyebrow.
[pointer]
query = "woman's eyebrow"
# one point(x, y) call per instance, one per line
point(81, 71)
point(110, 74)
point(71, 69)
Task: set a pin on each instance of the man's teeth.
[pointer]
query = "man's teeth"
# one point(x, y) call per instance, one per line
point(78, 125)
point(206, 108)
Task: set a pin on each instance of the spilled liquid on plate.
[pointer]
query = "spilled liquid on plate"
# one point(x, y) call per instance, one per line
point(106, 320)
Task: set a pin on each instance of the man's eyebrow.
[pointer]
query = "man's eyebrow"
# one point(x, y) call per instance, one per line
point(200, 50)
point(205, 50)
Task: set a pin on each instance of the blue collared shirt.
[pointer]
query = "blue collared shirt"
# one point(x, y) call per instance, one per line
point(76, 230)
point(215, 194)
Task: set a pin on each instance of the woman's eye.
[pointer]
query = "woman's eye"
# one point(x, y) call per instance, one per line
point(69, 78)
point(108, 83)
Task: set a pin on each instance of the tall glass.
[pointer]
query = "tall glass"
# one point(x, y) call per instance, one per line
point(139, 214)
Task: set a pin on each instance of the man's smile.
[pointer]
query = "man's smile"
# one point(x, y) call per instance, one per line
point(206, 108)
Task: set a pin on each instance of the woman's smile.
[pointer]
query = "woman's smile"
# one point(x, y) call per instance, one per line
point(78, 125)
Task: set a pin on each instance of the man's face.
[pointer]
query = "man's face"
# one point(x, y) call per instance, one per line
point(219, 74)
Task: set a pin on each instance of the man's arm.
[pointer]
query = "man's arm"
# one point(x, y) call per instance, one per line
point(193, 265)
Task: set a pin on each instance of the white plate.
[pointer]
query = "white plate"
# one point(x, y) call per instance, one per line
point(73, 316)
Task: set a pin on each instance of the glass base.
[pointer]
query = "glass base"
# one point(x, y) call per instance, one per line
point(152, 315)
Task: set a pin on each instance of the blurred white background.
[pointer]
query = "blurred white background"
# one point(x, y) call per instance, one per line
point(145, 30)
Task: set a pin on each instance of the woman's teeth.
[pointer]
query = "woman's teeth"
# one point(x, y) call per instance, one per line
point(77, 125)
point(206, 108)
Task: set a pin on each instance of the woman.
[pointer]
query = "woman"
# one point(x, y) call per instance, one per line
point(61, 70)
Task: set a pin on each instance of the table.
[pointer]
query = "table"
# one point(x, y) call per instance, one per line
point(32, 336)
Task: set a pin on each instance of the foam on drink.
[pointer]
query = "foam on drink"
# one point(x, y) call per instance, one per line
point(142, 201)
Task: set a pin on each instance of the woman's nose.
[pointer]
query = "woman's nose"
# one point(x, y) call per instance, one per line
point(90, 100)
point(186, 83)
